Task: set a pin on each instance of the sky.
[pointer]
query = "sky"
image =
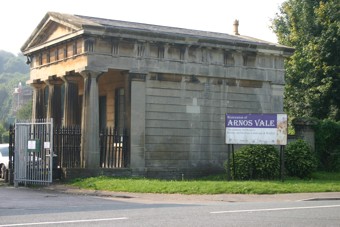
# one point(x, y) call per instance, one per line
point(19, 18)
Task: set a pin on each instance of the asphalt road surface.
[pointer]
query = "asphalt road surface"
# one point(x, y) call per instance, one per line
point(35, 207)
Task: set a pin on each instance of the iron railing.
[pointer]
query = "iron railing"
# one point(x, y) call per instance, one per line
point(66, 145)
point(113, 148)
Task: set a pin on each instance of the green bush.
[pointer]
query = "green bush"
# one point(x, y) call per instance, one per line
point(5, 137)
point(300, 161)
point(255, 162)
point(327, 145)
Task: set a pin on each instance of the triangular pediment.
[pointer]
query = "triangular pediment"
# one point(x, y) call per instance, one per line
point(51, 31)
point(53, 27)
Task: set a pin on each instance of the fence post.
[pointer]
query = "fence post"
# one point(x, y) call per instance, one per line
point(11, 154)
point(304, 129)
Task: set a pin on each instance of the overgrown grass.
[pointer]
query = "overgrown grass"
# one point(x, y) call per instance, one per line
point(320, 182)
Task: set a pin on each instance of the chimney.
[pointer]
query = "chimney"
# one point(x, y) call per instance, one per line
point(236, 27)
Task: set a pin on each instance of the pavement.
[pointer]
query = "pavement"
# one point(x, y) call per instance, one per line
point(185, 199)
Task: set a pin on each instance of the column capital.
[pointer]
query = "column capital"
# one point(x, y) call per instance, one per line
point(71, 78)
point(37, 84)
point(54, 81)
point(90, 73)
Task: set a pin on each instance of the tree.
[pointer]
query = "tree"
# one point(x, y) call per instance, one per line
point(312, 27)
point(4, 56)
point(13, 70)
point(2, 130)
point(16, 65)
point(25, 112)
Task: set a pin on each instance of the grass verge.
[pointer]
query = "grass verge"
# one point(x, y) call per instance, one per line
point(319, 182)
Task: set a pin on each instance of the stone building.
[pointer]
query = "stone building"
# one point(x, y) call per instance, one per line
point(168, 87)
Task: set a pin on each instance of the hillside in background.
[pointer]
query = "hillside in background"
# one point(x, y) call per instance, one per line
point(13, 70)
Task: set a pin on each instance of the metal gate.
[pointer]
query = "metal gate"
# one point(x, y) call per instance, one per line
point(33, 152)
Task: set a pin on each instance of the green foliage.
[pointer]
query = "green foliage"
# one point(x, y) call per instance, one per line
point(4, 56)
point(2, 131)
point(10, 63)
point(255, 162)
point(8, 83)
point(313, 73)
point(12, 71)
point(25, 112)
point(5, 137)
point(300, 161)
point(327, 144)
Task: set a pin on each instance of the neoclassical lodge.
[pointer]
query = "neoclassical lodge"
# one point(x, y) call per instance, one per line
point(167, 88)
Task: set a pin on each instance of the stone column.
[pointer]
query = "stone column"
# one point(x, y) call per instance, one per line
point(137, 122)
point(54, 109)
point(71, 103)
point(38, 100)
point(90, 153)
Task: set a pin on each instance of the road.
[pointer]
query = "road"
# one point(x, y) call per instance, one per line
point(35, 207)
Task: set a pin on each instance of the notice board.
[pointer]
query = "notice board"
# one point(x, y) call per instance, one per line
point(256, 129)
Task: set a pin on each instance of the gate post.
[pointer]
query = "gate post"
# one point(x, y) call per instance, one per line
point(137, 121)
point(11, 154)
point(304, 130)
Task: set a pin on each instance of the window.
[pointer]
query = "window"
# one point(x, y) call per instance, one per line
point(115, 46)
point(48, 56)
point(228, 58)
point(65, 51)
point(89, 45)
point(40, 59)
point(249, 59)
point(182, 53)
point(160, 51)
point(75, 48)
point(140, 49)
point(56, 54)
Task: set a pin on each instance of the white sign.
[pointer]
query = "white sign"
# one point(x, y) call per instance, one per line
point(256, 129)
point(31, 145)
point(47, 145)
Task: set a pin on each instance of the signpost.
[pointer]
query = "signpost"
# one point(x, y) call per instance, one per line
point(270, 129)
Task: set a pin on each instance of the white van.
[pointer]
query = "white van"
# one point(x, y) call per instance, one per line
point(4, 159)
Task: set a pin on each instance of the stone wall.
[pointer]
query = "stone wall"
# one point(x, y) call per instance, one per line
point(185, 118)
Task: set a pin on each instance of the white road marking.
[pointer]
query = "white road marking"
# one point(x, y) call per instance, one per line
point(64, 222)
point(273, 209)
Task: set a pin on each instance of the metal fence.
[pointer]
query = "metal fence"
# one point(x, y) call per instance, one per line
point(113, 148)
point(67, 146)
